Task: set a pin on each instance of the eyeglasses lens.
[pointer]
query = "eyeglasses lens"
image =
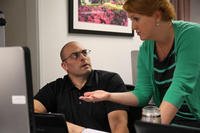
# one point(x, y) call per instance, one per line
point(76, 55)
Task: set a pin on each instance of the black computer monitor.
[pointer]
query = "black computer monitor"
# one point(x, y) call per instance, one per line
point(146, 127)
point(50, 123)
point(16, 92)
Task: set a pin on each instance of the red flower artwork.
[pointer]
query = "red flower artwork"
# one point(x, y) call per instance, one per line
point(102, 12)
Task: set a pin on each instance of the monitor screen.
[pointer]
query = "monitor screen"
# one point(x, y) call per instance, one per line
point(16, 92)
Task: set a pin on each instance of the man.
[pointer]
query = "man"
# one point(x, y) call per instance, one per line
point(62, 95)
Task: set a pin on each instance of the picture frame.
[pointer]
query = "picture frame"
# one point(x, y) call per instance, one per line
point(100, 18)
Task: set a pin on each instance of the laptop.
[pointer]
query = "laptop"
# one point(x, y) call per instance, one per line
point(145, 127)
point(16, 94)
point(50, 123)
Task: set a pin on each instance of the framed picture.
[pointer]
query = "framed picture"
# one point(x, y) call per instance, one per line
point(103, 17)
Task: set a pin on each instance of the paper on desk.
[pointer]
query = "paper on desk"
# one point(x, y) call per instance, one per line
point(88, 130)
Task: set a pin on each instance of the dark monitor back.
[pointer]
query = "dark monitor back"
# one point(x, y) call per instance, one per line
point(144, 127)
point(16, 96)
point(50, 123)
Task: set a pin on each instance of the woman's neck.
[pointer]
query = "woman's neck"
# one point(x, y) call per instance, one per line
point(165, 41)
point(165, 35)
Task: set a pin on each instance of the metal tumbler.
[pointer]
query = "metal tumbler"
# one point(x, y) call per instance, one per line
point(151, 114)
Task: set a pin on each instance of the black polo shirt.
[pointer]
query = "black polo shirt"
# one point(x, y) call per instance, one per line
point(61, 96)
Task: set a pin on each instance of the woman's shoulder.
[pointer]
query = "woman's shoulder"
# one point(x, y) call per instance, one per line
point(184, 23)
point(184, 29)
point(185, 26)
point(186, 34)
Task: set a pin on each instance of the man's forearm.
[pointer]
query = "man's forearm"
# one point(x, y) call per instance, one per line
point(39, 107)
point(73, 128)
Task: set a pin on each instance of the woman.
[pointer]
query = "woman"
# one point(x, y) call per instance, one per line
point(168, 64)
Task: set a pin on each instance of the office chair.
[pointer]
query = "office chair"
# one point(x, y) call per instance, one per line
point(134, 113)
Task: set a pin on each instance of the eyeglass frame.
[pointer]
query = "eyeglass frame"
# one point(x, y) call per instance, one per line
point(77, 54)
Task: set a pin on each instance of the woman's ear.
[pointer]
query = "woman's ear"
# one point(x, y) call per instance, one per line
point(158, 16)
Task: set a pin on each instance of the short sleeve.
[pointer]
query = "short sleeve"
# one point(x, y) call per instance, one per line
point(47, 97)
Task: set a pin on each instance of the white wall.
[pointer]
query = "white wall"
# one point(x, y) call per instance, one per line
point(108, 52)
point(15, 15)
point(42, 25)
point(21, 29)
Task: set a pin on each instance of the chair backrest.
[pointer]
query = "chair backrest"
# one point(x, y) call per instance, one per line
point(134, 113)
point(134, 55)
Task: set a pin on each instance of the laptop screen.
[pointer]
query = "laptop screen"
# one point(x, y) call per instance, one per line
point(16, 96)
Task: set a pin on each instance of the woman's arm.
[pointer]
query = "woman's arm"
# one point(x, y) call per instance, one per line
point(126, 98)
point(168, 112)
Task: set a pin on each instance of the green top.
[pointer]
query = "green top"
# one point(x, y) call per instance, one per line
point(185, 84)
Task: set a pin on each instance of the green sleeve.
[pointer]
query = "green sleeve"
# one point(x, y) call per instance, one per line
point(143, 87)
point(187, 71)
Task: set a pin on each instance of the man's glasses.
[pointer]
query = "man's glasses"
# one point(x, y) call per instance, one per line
point(76, 55)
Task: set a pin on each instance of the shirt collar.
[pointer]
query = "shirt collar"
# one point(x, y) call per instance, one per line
point(91, 81)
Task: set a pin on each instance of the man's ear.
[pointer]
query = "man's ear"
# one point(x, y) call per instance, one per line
point(64, 66)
